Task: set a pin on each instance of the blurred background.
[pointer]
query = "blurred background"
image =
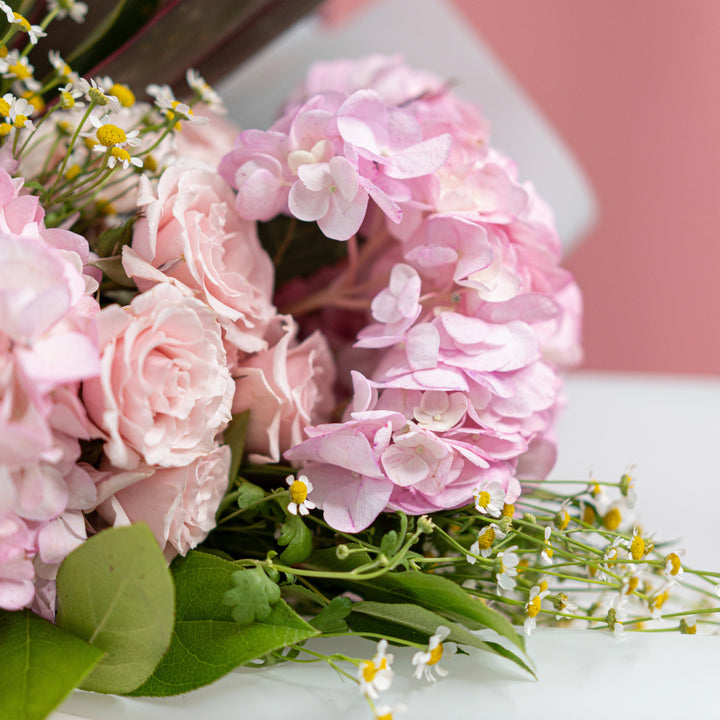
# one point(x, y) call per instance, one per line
point(631, 88)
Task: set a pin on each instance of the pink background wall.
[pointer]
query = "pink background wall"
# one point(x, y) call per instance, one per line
point(632, 87)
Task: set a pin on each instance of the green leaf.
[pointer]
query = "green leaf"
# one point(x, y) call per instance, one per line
point(115, 592)
point(207, 643)
point(390, 543)
point(113, 269)
point(41, 664)
point(298, 538)
point(253, 596)
point(414, 623)
point(433, 592)
point(111, 241)
point(248, 494)
point(234, 436)
point(331, 619)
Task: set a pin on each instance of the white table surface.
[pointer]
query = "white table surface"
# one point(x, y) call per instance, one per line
point(669, 428)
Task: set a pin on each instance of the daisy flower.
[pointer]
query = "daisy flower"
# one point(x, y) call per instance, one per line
point(120, 156)
point(197, 84)
point(299, 490)
point(426, 661)
point(673, 569)
point(532, 608)
point(111, 136)
point(19, 114)
point(68, 8)
point(35, 32)
point(385, 712)
point(483, 545)
point(490, 499)
point(95, 93)
point(508, 560)
point(17, 67)
point(375, 676)
point(547, 551)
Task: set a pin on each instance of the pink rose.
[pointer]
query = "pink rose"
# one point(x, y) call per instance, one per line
point(286, 388)
point(164, 390)
point(192, 234)
point(178, 504)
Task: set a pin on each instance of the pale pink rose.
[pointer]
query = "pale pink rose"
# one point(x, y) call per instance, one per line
point(191, 233)
point(178, 504)
point(285, 388)
point(16, 569)
point(164, 390)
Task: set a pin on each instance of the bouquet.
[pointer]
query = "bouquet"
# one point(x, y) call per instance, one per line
point(265, 386)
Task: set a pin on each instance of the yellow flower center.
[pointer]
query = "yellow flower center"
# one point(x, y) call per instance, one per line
point(298, 492)
point(35, 100)
point(674, 561)
point(562, 520)
point(533, 607)
point(72, 172)
point(508, 510)
point(110, 135)
point(67, 100)
point(20, 71)
point(632, 585)
point(5, 128)
point(120, 153)
point(105, 207)
point(543, 586)
point(20, 120)
point(687, 628)
point(612, 519)
point(549, 552)
point(386, 716)
point(123, 93)
point(4, 107)
point(435, 654)
point(151, 163)
point(483, 499)
point(637, 547)
point(659, 601)
point(21, 21)
point(486, 538)
point(3, 52)
point(589, 515)
point(369, 670)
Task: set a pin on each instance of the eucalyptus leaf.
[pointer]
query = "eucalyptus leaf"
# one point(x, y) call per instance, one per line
point(207, 643)
point(297, 537)
point(115, 592)
point(253, 596)
point(41, 664)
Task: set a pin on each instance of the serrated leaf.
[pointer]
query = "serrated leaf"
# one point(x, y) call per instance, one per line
point(248, 494)
point(41, 664)
point(207, 643)
point(234, 436)
point(253, 596)
point(297, 537)
point(116, 593)
point(415, 623)
point(331, 619)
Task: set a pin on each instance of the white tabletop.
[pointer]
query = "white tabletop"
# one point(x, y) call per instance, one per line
point(667, 427)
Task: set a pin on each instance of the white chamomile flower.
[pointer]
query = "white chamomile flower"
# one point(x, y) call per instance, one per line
point(94, 93)
point(69, 97)
point(35, 32)
point(483, 545)
point(72, 8)
point(508, 560)
point(120, 156)
point(547, 551)
point(109, 135)
point(611, 556)
point(375, 676)
point(658, 600)
point(299, 490)
point(385, 712)
point(673, 569)
point(426, 661)
point(563, 604)
point(688, 625)
point(532, 608)
point(489, 500)
point(17, 67)
point(173, 108)
point(206, 93)
point(19, 114)
point(617, 615)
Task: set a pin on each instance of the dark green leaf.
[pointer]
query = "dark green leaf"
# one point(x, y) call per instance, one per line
point(111, 242)
point(112, 268)
point(331, 619)
point(207, 643)
point(41, 664)
point(252, 597)
point(416, 624)
point(234, 436)
point(298, 538)
point(115, 592)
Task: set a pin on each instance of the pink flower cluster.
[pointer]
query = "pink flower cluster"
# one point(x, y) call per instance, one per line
point(48, 345)
point(473, 318)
